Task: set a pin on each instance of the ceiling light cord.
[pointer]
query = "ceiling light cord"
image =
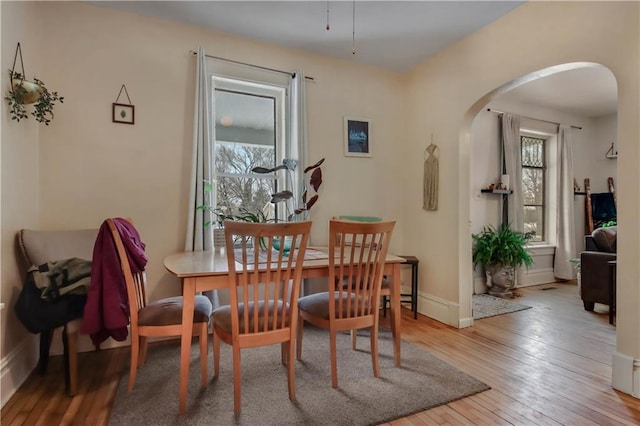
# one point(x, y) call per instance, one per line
point(328, 26)
point(353, 34)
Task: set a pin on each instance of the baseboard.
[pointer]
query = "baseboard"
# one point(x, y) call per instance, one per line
point(536, 277)
point(626, 374)
point(16, 367)
point(439, 309)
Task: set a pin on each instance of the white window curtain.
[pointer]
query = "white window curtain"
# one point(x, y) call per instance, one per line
point(199, 236)
point(510, 124)
point(296, 149)
point(566, 245)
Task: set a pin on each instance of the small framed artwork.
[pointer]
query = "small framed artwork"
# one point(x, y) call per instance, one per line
point(357, 137)
point(123, 113)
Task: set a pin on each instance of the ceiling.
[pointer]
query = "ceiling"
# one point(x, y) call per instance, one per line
point(395, 35)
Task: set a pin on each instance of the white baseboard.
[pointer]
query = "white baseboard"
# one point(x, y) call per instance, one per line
point(626, 374)
point(16, 366)
point(439, 309)
point(536, 277)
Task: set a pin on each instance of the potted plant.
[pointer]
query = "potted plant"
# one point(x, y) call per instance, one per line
point(500, 251)
point(23, 92)
point(312, 179)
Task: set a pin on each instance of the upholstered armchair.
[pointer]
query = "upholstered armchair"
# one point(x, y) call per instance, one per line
point(600, 248)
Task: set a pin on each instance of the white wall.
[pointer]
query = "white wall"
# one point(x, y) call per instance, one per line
point(447, 92)
point(20, 188)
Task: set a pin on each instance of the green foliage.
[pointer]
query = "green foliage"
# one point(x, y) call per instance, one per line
point(576, 263)
point(502, 247)
point(609, 224)
point(42, 108)
point(311, 182)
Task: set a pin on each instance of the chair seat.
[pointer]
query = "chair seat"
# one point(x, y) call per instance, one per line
point(222, 316)
point(318, 305)
point(169, 311)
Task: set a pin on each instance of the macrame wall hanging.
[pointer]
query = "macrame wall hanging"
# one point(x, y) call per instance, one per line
point(430, 179)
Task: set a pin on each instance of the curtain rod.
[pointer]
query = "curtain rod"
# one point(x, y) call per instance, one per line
point(531, 118)
point(292, 74)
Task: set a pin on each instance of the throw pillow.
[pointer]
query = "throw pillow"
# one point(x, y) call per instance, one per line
point(605, 238)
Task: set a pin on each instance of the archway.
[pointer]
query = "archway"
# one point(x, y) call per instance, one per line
point(467, 193)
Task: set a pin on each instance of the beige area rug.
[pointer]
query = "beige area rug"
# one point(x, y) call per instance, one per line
point(485, 305)
point(422, 382)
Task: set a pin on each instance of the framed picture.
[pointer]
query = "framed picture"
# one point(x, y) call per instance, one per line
point(123, 113)
point(357, 137)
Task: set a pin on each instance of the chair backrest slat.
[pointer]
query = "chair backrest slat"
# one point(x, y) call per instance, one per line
point(357, 254)
point(267, 280)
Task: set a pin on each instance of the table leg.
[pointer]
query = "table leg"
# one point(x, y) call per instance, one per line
point(414, 290)
point(395, 312)
point(188, 292)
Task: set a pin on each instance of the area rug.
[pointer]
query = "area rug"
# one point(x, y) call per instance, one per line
point(485, 305)
point(422, 382)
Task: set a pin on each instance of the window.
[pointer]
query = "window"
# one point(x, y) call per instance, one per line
point(534, 183)
point(249, 132)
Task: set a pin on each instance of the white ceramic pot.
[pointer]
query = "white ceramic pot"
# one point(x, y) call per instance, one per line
point(30, 93)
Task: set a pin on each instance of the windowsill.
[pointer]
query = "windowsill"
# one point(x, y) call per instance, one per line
point(541, 249)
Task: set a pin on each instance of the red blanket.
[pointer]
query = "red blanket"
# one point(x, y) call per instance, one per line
point(106, 313)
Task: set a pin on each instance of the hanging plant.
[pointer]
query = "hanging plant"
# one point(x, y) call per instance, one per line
point(23, 92)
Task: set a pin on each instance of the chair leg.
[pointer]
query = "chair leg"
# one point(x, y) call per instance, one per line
point(135, 353)
point(334, 361)
point(236, 379)
point(216, 354)
point(374, 350)
point(203, 352)
point(142, 359)
point(45, 343)
point(354, 336)
point(299, 340)
point(291, 373)
point(72, 350)
point(284, 349)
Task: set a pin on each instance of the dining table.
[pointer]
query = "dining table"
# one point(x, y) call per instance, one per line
point(208, 270)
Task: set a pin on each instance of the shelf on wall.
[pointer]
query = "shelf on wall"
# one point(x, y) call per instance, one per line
point(496, 191)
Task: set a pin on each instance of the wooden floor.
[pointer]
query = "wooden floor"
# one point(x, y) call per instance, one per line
point(549, 365)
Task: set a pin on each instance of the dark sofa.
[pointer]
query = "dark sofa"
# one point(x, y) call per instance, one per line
point(600, 248)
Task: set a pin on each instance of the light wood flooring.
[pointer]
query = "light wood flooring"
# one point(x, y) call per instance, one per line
point(549, 365)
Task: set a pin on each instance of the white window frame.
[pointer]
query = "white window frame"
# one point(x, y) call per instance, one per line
point(282, 141)
point(551, 185)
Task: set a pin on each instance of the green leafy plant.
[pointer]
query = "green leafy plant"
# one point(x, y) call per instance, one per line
point(23, 92)
point(576, 263)
point(609, 224)
point(503, 247)
point(308, 197)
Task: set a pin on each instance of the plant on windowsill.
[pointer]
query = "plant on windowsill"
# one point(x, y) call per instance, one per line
point(500, 251)
point(312, 179)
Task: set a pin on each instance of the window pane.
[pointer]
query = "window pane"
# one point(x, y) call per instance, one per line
point(244, 118)
point(240, 159)
point(533, 222)
point(532, 152)
point(532, 186)
point(254, 194)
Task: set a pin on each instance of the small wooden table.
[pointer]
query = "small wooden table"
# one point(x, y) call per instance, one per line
point(208, 270)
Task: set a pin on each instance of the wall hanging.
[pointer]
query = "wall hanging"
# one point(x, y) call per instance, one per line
point(23, 92)
point(430, 178)
point(123, 113)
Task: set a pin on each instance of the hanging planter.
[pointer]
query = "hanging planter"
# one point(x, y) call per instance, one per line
point(23, 92)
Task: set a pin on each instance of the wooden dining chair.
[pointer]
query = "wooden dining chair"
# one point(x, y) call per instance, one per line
point(355, 304)
point(264, 289)
point(161, 318)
